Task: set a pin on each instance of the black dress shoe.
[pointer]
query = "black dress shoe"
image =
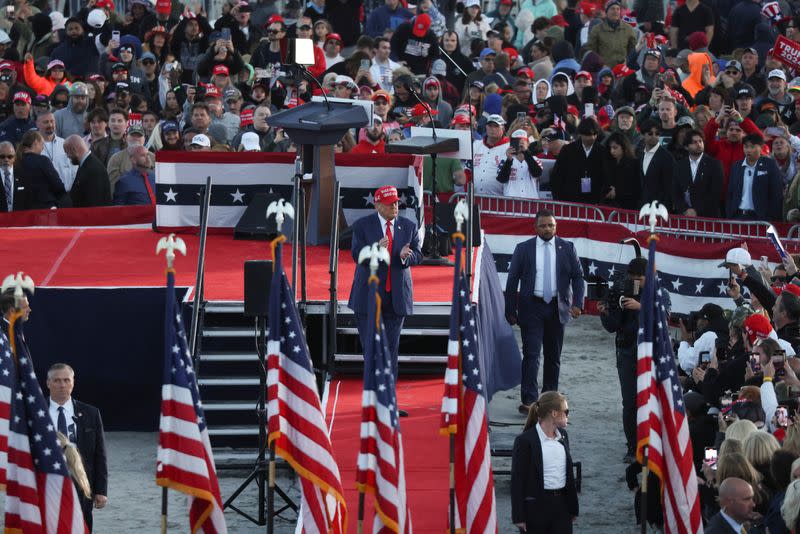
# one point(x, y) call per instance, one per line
point(402, 413)
point(524, 409)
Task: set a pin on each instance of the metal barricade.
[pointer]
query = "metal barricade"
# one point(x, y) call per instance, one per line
point(511, 206)
point(794, 232)
point(696, 229)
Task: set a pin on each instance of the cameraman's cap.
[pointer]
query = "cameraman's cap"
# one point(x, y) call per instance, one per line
point(777, 73)
point(709, 312)
point(497, 119)
point(519, 134)
point(738, 256)
point(745, 90)
point(386, 195)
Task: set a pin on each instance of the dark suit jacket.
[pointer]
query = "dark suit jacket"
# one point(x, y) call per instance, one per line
point(718, 525)
point(522, 279)
point(657, 182)
point(704, 192)
point(767, 190)
point(92, 445)
point(19, 194)
point(43, 189)
point(366, 231)
point(571, 166)
point(91, 187)
point(527, 479)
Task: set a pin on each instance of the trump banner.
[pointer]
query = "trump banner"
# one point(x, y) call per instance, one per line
point(787, 52)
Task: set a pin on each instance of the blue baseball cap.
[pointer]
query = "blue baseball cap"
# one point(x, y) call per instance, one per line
point(487, 52)
point(169, 126)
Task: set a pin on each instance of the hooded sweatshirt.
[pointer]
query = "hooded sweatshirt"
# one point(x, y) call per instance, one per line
point(445, 110)
point(543, 103)
point(632, 135)
point(69, 122)
point(694, 83)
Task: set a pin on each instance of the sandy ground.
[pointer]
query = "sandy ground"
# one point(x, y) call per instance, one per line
point(588, 377)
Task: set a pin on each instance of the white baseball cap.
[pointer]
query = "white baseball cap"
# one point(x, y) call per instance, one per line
point(519, 134)
point(737, 256)
point(249, 141)
point(497, 119)
point(777, 73)
point(201, 140)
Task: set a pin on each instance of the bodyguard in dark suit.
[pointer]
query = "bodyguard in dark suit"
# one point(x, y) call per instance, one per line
point(396, 290)
point(544, 289)
point(92, 186)
point(82, 424)
point(737, 507)
point(697, 181)
point(12, 192)
point(755, 188)
point(656, 166)
point(544, 498)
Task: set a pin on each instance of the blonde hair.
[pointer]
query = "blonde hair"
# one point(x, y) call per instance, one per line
point(740, 430)
point(731, 446)
point(737, 466)
point(759, 448)
point(791, 442)
point(75, 465)
point(550, 401)
point(791, 505)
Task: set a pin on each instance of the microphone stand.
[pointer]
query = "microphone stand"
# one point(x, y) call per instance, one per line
point(470, 184)
point(435, 258)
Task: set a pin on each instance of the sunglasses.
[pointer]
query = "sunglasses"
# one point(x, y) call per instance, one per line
point(6, 156)
point(778, 278)
point(273, 32)
point(731, 72)
point(304, 27)
point(148, 62)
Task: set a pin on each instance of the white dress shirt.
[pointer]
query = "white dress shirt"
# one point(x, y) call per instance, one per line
point(69, 414)
point(540, 266)
point(693, 165)
point(648, 157)
point(554, 460)
point(747, 186)
point(587, 151)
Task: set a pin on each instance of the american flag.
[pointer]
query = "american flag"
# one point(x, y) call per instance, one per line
point(380, 460)
point(558, 123)
point(296, 424)
point(661, 415)
point(185, 462)
point(41, 497)
point(464, 414)
point(7, 378)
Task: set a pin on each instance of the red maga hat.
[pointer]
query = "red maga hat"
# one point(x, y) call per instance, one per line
point(757, 326)
point(386, 195)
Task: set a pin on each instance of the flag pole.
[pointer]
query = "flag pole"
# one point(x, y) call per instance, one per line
point(163, 510)
point(452, 484)
point(271, 491)
point(643, 503)
point(360, 512)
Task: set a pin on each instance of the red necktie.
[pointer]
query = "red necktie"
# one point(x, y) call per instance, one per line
point(149, 189)
point(389, 246)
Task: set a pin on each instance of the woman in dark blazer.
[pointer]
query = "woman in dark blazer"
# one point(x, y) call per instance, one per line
point(544, 499)
point(623, 188)
point(43, 189)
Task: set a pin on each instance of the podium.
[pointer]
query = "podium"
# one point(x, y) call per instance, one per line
point(432, 146)
point(317, 128)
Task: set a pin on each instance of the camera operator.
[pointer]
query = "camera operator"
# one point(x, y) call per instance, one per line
point(520, 171)
point(699, 336)
point(620, 315)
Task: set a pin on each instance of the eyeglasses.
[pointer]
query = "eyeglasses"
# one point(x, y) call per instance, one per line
point(274, 32)
point(148, 62)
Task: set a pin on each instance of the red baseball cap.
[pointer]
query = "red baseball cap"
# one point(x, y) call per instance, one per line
point(246, 117)
point(220, 69)
point(212, 92)
point(584, 74)
point(105, 4)
point(794, 289)
point(512, 54)
point(525, 71)
point(334, 37)
point(22, 96)
point(621, 70)
point(421, 25)
point(275, 18)
point(5, 65)
point(460, 118)
point(757, 326)
point(420, 110)
point(558, 20)
point(588, 9)
point(507, 2)
point(386, 195)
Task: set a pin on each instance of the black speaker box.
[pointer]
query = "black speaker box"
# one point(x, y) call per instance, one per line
point(445, 214)
point(257, 280)
point(254, 223)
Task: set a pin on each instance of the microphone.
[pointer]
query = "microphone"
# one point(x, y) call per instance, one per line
point(425, 106)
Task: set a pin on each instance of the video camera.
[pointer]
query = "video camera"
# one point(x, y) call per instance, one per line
point(611, 292)
point(688, 319)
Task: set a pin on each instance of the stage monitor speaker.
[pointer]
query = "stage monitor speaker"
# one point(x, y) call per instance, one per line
point(257, 280)
point(445, 213)
point(254, 223)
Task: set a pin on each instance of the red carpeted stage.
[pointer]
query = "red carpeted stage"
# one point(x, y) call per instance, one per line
point(104, 257)
point(426, 451)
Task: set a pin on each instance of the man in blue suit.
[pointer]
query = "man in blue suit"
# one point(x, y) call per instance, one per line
point(551, 292)
point(399, 235)
point(755, 188)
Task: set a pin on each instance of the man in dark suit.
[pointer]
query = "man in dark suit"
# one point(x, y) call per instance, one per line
point(656, 165)
point(12, 193)
point(698, 179)
point(544, 289)
point(544, 498)
point(578, 174)
point(737, 507)
point(92, 186)
point(9, 306)
point(755, 188)
point(82, 424)
point(400, 236)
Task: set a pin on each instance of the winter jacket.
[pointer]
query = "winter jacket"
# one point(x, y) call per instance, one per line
point(694, 83)
point(467, 32)
point(80, 58)
point(384, 18)
point(43, 85)
point(612, 43)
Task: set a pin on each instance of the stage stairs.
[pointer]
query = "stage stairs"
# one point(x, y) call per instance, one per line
point(228, 375)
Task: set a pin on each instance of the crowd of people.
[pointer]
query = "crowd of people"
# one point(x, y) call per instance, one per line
point(739, 371)
point(686, 103)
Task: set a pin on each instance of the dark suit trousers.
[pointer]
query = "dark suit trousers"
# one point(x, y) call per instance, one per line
point(549, 515)
point(626, 369)
point(542, 330)
point(86, 507)
point(393, 324)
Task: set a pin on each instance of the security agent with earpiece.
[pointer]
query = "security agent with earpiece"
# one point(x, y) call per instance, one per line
point(622, 319)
